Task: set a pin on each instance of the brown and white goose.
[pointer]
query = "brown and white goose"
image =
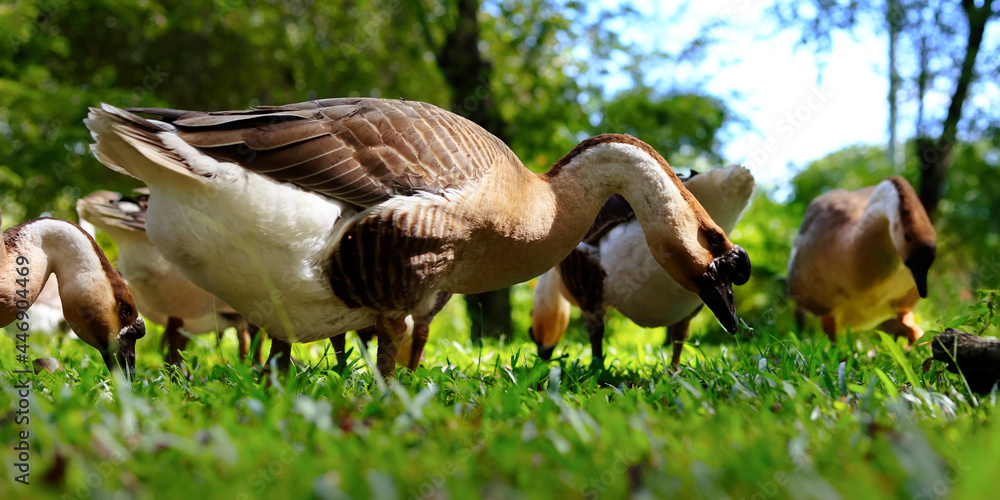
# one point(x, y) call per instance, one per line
point(96, 303)
point(861, 258)
point(162, 293)
point(332, 215)
point(612, 267)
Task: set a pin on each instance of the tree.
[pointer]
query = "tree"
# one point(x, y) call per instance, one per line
point(530, 71)
point(936, 154)
point(468, 76)
point(940, 52)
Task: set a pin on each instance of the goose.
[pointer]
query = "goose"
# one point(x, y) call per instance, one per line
point(96, 303)
point(612, 267)
point(162, 293)
point(336, 214)
point(860, 259)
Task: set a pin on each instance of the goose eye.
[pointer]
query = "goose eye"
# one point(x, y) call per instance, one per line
point(714, 240)
point(126, 311)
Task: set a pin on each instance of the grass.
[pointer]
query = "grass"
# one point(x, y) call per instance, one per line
point(771, 416)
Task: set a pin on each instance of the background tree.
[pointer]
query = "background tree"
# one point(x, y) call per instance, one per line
point(512, 66)
point(944, 39)
point(468, 75)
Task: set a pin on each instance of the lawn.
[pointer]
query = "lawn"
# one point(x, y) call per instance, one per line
point(772, 415)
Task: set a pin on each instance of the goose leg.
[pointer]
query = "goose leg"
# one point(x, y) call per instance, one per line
point(678, 334)
point(830, 327)
point(282, 353)
point(800, 319)
point(339, 345)
point(595, 330)
point(257, 337)
point(176, 341)
point(250, 337)
point(915, 332)
point(366, 335)
point(421, 330)
point(903, 326)
point(243, 336)
point(390, 332)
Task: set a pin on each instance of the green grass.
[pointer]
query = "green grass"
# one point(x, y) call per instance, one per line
point(771, 416)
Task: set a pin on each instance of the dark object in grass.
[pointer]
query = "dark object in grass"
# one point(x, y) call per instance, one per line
point(978, 358)
point(50, 365)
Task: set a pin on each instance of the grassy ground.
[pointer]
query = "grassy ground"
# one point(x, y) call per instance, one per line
point(770, 416)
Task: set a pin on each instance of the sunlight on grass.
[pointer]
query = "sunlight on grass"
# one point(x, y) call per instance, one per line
point(755, 417)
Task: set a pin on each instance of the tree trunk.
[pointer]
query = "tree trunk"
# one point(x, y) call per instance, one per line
point(935, 156)
point(468, 75)
point(894, 19)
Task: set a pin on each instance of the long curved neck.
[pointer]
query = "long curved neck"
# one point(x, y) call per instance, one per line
point(874, 228)
point(54, 246)
point(541, 218)
point(876, 254)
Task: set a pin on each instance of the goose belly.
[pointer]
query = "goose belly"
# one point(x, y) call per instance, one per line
point(209, 323)
point(866, 309)
point(261, 246)
point(159, 288)
point(636, 285)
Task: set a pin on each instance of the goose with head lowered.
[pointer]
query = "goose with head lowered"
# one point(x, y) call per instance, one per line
point(162, 293)
point(337, 214)
point(612, 267)
point(96, 303)
point(860, 259)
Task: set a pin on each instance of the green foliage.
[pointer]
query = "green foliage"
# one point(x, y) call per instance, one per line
point(769, 415)
point(71, 54)
point(62, 56)
point(968, 231)
point(684, 126)
point(778, 419)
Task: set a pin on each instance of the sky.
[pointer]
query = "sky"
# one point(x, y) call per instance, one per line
point(796, 114)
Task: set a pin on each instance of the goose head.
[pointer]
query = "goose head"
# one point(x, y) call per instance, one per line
point(703, 261)
point(107, 322)
point(98, 305)
point(682, 237)
point(912, 233)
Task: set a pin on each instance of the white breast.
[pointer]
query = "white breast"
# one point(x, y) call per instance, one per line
point(636, 285)
point(261, 246)
point(158, 290)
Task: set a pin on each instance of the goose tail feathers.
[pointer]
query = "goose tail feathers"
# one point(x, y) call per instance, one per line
point(725, 193)
point(148, 150)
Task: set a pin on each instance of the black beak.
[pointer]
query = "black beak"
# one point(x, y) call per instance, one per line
point(543, 352)
point(715, 287)
point(120, 356)
point(546, 352)
point(919, 263)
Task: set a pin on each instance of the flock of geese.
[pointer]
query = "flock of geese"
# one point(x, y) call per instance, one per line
point(314, 219)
